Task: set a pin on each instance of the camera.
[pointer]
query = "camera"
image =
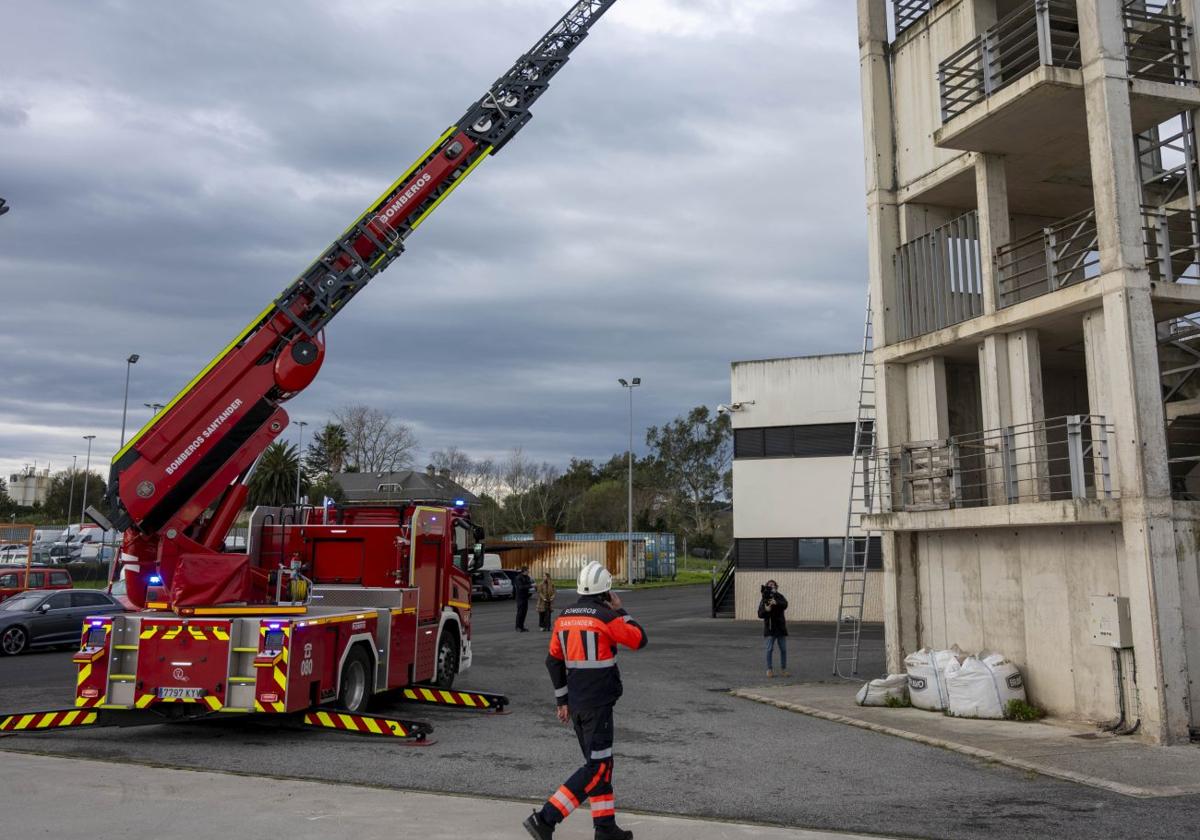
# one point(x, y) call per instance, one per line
point(766, 590)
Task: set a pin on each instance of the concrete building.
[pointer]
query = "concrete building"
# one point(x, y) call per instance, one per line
point(1034, 241)
point(793, 426)
point(29, 487)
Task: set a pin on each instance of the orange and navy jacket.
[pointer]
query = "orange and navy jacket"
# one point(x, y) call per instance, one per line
point(583, 652)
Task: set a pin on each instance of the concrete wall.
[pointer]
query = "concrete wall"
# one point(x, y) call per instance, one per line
point(1187, 548)
point(796, 391)
point(812, 595)
point(1024, 592)
point(790, 497)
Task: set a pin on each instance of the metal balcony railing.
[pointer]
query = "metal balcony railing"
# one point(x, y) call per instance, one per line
point(1052, 258)
point(907, 12)
point(1054, 459)
point(1045, 33)
point(938, 278)
point(1172, 238)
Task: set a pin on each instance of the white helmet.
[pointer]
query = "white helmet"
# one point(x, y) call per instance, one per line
point(594, 579)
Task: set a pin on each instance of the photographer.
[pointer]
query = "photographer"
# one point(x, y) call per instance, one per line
point(772, 610)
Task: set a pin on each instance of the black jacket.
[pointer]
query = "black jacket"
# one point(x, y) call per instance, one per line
point(774, 618)
point(583, 653)
point(521, 587)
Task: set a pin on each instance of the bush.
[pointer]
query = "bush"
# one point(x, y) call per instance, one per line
point(897, 703)
point(1022, 711)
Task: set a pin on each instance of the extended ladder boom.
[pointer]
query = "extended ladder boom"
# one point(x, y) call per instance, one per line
point(198, 452)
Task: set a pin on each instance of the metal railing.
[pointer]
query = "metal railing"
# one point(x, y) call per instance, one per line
point(1040, 33)
point(939, 278)
point(1172, 239)
point(1054, 459)
point(907, 12)
point(1157, 42)
point(1045, 33)
point(1052, 258)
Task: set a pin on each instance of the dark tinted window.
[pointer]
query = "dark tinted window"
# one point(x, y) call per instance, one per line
point(812, 553)
point(59, 600)
point(8, 581)
point(752, 554)
point(821, 440)
point(82, 598)
point(781, 554)
point(37, 580)
point(748, 443)
point(777, 442)
point(60, 579)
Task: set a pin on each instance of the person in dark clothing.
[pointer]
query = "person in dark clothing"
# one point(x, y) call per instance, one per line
point(772, 609)
point(522, 584)
point(587, 683)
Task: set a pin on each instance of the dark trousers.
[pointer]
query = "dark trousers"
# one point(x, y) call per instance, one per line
point(544, 619)
point(522, 611)
point(594, 728)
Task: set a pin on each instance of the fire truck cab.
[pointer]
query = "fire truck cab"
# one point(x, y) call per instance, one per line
point(370, 598)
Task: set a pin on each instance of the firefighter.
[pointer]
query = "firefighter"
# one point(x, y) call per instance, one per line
point(583, 668)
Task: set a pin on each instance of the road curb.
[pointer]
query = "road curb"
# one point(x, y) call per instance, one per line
point(976, 752)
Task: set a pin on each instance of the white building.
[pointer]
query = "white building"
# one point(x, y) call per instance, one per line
point(793, 422)
point(29, 487)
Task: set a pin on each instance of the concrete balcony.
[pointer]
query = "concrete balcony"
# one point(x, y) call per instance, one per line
point(1017, 90)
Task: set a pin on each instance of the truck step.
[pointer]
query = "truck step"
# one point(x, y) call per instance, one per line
point(480, 701)
point(41, 721)
point(412, 731)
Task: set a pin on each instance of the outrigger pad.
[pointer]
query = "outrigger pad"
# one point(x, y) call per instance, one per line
point(480, 701)
point(57, 719)
point(412, 731)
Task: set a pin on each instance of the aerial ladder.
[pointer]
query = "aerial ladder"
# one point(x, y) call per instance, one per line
point(177, 487)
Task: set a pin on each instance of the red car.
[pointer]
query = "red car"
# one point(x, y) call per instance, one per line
point(13, 582)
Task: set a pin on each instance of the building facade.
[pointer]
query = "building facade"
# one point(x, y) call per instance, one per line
point(1034, 257)
point(29, 487)
point(793, 427)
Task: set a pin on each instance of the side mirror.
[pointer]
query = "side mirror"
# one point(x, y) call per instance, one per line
point(44, 607)
point(476, 558)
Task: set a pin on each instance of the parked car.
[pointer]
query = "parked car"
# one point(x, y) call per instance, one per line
point(512, 575)
point(491, 585)
point(13, 553)
point(13, 581)
point(44, 618)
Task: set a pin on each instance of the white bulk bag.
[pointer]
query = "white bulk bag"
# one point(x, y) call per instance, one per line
point(982, 686)
point(878, 692)
point(926, 678)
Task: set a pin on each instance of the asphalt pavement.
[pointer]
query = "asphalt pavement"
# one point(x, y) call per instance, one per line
point(684, 745)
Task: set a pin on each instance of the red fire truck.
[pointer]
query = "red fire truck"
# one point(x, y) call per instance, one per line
point(328, 605)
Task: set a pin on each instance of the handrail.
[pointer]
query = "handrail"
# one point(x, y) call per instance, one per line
point(724, 582)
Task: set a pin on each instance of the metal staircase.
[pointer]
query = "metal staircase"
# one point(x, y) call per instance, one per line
point(856, 548)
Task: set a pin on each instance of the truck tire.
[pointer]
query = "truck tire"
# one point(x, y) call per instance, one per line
point(357, 684)
point(447, 659)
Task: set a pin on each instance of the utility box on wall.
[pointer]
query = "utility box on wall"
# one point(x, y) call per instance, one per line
point(1110, 621)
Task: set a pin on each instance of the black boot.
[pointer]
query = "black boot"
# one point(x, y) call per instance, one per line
point(612, 832)
point(538, 828)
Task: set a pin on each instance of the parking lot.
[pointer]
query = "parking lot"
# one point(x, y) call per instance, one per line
point(684, 746)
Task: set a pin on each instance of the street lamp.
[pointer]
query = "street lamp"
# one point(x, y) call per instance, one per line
point(154, 407)
point(3, 207)
point(86, 470)
point(71, 495)
point(629, 386)
point(129, 363)
point(299, 457)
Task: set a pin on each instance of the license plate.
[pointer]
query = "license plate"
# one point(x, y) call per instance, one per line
point(180, 693)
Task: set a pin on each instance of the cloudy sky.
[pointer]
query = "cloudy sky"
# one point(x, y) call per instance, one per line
point(688, 193)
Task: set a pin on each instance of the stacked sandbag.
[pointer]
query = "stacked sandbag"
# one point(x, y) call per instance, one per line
point(893, 688)
point(926, 677)
point(982, 686)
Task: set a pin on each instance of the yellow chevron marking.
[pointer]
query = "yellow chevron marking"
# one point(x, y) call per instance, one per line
point(448, 697)
point(144, 701)
point(258, 707)
point(220, 634)
point(396, 729)
point(373, 726)
point(348, 722)
point(281, 679)
point(70, 718)
point(214, 703)
point(468, 700)
point(44, 720)
point(428, 695)
point(197, 634)
point(325, 720)
point(279, 707)
point(80, 701)
point(25, 721)
point(149, 634)
point(172, 633)
point(84, 673)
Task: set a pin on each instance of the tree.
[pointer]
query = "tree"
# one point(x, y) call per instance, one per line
point(328, 450)
point(324, 487)
point(6, 503)
point(451, 462)
point(376, 441)
point(273, 483)
point(60, 496)
point(694, 453)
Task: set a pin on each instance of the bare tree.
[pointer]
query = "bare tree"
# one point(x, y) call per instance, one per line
point(377, 441)
point(451, 462)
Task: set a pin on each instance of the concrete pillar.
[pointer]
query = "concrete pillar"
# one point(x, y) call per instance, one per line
point(991, 190)
point(1100, 401)
point(901, 600)
point(995, 388)
point(1150, 565)
point(1027, 454)
point(883, 217)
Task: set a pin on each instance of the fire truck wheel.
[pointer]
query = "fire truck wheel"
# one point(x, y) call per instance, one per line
point(13, 641)
point(447, 660)
point(355, 691)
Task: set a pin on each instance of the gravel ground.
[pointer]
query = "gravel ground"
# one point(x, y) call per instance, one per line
point(683, 746)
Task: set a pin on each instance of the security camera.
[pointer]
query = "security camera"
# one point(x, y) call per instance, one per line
point(732, 407)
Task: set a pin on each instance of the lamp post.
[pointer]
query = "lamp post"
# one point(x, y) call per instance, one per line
point(86, 470)
point(129, 363)
point(299, 457)
point(629, 386)
point(71, 495)
point(154, 407)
